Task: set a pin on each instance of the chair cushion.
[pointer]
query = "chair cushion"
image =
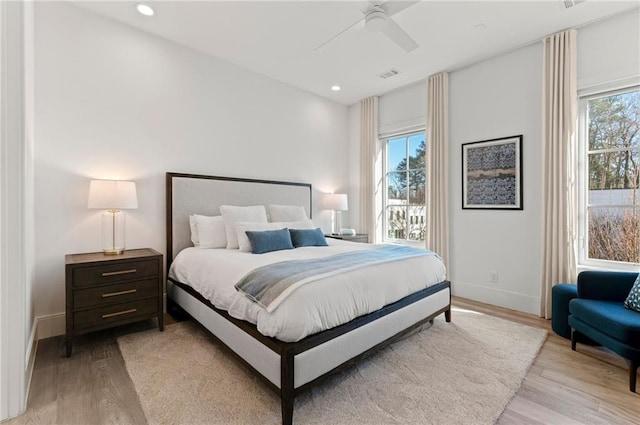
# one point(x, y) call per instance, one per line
point(561, 294)
point(609, 317)
point(605, 285)
point(633, 300)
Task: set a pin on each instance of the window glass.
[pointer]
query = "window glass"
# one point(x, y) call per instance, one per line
point(405, 179)
point(396, 222)
point(417, 186)
point(396, 188)
point(417, 226)
point(614, 234)
point(416, 151)
point(396, 154)
point(610, 226)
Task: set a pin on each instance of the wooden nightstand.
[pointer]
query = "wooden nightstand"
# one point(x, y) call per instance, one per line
point(360, 237)
point(103, 291)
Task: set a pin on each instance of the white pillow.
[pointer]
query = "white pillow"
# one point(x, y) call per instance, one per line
point(231, 215)
point(286, 213)
point(193, 224)
point(207, 232)
point(242, 226)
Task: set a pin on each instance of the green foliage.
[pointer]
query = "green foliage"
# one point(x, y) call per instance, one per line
point(406, 193)
point(415, 174)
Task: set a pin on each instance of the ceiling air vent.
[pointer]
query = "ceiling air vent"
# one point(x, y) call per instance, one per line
point(571, 3)
point(390, 73)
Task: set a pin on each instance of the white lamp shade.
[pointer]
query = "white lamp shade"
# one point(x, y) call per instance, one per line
point(335, 201)
point(112, 194)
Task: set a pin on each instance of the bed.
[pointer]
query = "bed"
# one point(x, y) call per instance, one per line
point(288, 368)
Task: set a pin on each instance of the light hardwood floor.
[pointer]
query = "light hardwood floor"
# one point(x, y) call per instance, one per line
point(562, 387)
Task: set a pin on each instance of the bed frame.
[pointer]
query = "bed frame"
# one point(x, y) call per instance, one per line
point(289, 369)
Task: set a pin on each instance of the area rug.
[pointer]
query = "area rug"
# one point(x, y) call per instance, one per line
point(463, 372)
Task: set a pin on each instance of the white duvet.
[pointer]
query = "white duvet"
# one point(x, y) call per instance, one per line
point(319, 305)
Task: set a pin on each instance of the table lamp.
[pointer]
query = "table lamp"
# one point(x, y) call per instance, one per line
point(113, 195)
point(335, 202)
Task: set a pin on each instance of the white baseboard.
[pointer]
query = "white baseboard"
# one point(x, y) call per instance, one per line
point(497, 296)
point(33, 343)
point(30, 358)
point(51, 325)
point(43, 327)
point(55, 324)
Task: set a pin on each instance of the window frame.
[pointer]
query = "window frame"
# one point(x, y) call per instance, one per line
point(385, 171)
point(583, 151)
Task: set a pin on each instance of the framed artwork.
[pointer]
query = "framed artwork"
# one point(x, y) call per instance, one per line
point(492, 174)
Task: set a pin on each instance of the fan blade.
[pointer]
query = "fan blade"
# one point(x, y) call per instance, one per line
point(339, 34)
point(399, 36)
point(393, 7)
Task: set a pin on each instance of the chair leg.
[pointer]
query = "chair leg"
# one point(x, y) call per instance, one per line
point(633, 364)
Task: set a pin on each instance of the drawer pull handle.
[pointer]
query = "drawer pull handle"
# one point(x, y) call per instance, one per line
point(119, 272)
point(120, 313)
point(115, 294)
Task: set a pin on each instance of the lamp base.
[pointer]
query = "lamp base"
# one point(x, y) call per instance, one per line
point(113, 232)
point(335, 222)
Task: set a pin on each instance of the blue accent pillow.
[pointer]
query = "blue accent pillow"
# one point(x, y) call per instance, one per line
point(269, 240)
point(633, 300)
point(307, 237)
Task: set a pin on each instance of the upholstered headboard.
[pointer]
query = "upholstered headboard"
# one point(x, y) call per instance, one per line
point(197, 194)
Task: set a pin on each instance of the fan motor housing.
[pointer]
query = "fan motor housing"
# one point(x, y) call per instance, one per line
point(376, 20)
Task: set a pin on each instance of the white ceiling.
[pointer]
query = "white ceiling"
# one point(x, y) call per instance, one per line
point(279, 38)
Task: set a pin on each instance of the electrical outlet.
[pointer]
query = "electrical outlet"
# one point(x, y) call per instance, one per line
point(493, 277)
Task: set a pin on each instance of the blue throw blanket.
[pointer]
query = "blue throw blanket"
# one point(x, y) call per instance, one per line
point(271, 284)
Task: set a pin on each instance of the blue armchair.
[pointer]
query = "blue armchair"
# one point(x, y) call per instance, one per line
point(598, 313)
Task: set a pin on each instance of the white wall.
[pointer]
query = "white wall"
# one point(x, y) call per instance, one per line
point(404, 109)
point(354, 168)
point(501, 97)
point(401, 110)
point(609, 50)
point(114, 102)
point(17, 351)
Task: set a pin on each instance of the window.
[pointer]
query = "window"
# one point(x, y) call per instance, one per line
point(405, 180)
point(609, 195)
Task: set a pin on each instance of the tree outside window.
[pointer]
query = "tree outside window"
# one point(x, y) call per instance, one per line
point(405, 203)
point(613, 176)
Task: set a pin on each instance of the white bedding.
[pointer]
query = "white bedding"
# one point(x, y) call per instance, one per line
point(317, 306)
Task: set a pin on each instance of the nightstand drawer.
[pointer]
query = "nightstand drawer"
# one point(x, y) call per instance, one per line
point(113, 294)
point(83, 276)
point(103, 291)
point(98, 317)
point(360, 237)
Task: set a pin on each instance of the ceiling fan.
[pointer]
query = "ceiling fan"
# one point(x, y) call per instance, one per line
point(377, 18)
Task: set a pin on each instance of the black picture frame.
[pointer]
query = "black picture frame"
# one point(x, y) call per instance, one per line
point(492, 174)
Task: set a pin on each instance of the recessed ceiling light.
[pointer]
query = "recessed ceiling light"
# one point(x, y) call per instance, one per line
point(335, 88)
point(144, 9)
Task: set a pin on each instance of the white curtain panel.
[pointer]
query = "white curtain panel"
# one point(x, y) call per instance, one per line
point(368, 155)
point(437, 237)
point(559, 115)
